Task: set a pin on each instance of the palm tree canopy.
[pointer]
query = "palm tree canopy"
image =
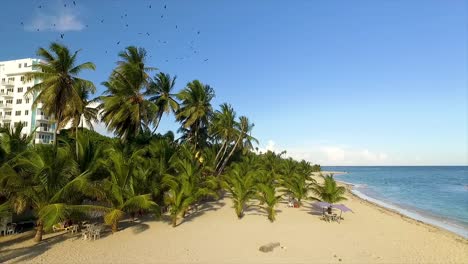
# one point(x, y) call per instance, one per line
point(329, 191)
point(58, 76)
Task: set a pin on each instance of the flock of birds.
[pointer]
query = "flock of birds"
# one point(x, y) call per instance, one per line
point(191, 52)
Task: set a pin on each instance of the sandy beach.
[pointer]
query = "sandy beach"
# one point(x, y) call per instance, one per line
point(214, 235)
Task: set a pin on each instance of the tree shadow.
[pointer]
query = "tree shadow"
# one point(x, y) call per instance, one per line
point(31, 251)
point(202, 209)
point(312, 209)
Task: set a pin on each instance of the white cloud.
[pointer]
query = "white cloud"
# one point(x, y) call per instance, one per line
point(56, 19)
point(327, 154)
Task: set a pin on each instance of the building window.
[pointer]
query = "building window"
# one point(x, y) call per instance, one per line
point(19, 65)
point(7, 124)
point(17, 113)
point(20, 89)
point(9, 90)
point(25, 64)
point(8, 113)
point(29, 87)
point(22, 78)
point(19, 101)
point(25, 123)
point(9, 101)
point(3, 79)
point(27, 100)
point(26, 112)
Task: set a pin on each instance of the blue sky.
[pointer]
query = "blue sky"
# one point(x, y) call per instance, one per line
point(334, 82)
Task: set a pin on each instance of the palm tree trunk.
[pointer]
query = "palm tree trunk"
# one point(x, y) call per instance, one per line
point(39, 231)
point(223, 147)
point(229, 156)
point(76, 142)
point(114, 227)
point(174, 220)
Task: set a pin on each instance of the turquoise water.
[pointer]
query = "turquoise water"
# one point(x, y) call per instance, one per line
point(434, 194)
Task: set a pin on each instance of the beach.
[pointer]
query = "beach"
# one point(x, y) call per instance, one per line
point(370, 234)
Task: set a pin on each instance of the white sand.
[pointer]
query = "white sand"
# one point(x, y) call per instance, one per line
point(215, 235)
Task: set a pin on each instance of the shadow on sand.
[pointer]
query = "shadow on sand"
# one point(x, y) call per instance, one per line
point(201, 209)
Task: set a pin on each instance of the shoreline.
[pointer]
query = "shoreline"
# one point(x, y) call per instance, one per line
point(396, 211)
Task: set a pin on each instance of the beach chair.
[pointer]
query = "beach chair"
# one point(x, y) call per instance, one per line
point(11, 229)
point(58, 227)
point(96, 233)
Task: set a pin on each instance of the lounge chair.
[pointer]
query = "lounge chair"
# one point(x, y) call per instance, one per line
point(58, 227)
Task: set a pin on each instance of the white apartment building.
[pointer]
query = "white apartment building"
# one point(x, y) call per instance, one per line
point(16, 107)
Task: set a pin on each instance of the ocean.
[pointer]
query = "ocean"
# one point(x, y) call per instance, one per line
point(437, 195)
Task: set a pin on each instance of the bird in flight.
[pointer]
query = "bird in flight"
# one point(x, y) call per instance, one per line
point(205, 60)
point(149, 6)
point(102, 20)
point(74, 3)
point(164, 6)
point(61, 35)
point(198, 32)
point(118, 42)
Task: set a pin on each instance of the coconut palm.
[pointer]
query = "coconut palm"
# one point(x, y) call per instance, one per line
point(239, 182)
point(13, 141)
point(267, 196)
point(223, 129)
point(164, 98)
point(185, 188)
point(45, 180)
point(329, 191)
point(195, 111)
point(85, 113)
point(57, 89)
point(125, 109)
point(243, 130)
point(119, 188)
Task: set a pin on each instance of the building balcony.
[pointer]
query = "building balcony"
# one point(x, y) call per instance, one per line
point(43, 141)
point(6, 118)
point(6, 106)
point(42, 118)
point(45, 129)
point(7, 83)
point(6, 94)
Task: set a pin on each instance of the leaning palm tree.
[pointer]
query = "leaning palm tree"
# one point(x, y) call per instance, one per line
point(58, 81)
point(195, 111)
point(185, 188)
point(223, 129)
point(329, 191)
point(239, 182)
point(45, 180)
point(244, 127)
point(267, 195)
point(164, 98)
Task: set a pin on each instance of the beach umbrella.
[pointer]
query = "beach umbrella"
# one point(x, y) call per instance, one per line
point(323, 204)
point(342, 207)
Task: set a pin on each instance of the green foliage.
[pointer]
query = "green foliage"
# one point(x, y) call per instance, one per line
point(267, 195)
point(240, 183)
point(329, 191)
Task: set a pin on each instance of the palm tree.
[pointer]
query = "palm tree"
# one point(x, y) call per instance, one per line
point(125, 109)
point(42, 179)
point(185, 188)
point(85, 113)
point(267, 195)
point(195, 111)
point(164, 99)
point(329, 191)
point(223, 128)
point(119, 188)
point(13, 141)
point(243, 131)
point(240, 183)
point(58, 87)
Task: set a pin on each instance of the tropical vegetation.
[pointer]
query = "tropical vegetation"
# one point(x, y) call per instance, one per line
point(140, 171)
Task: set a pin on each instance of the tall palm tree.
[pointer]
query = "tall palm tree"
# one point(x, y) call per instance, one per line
point(125, 108)
point(239, 182)
point(195, 111)
point(329, 191)
point(164, 98)
point(58, 87)
point(223, 129)
point(85, 113)
point(243, 132)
